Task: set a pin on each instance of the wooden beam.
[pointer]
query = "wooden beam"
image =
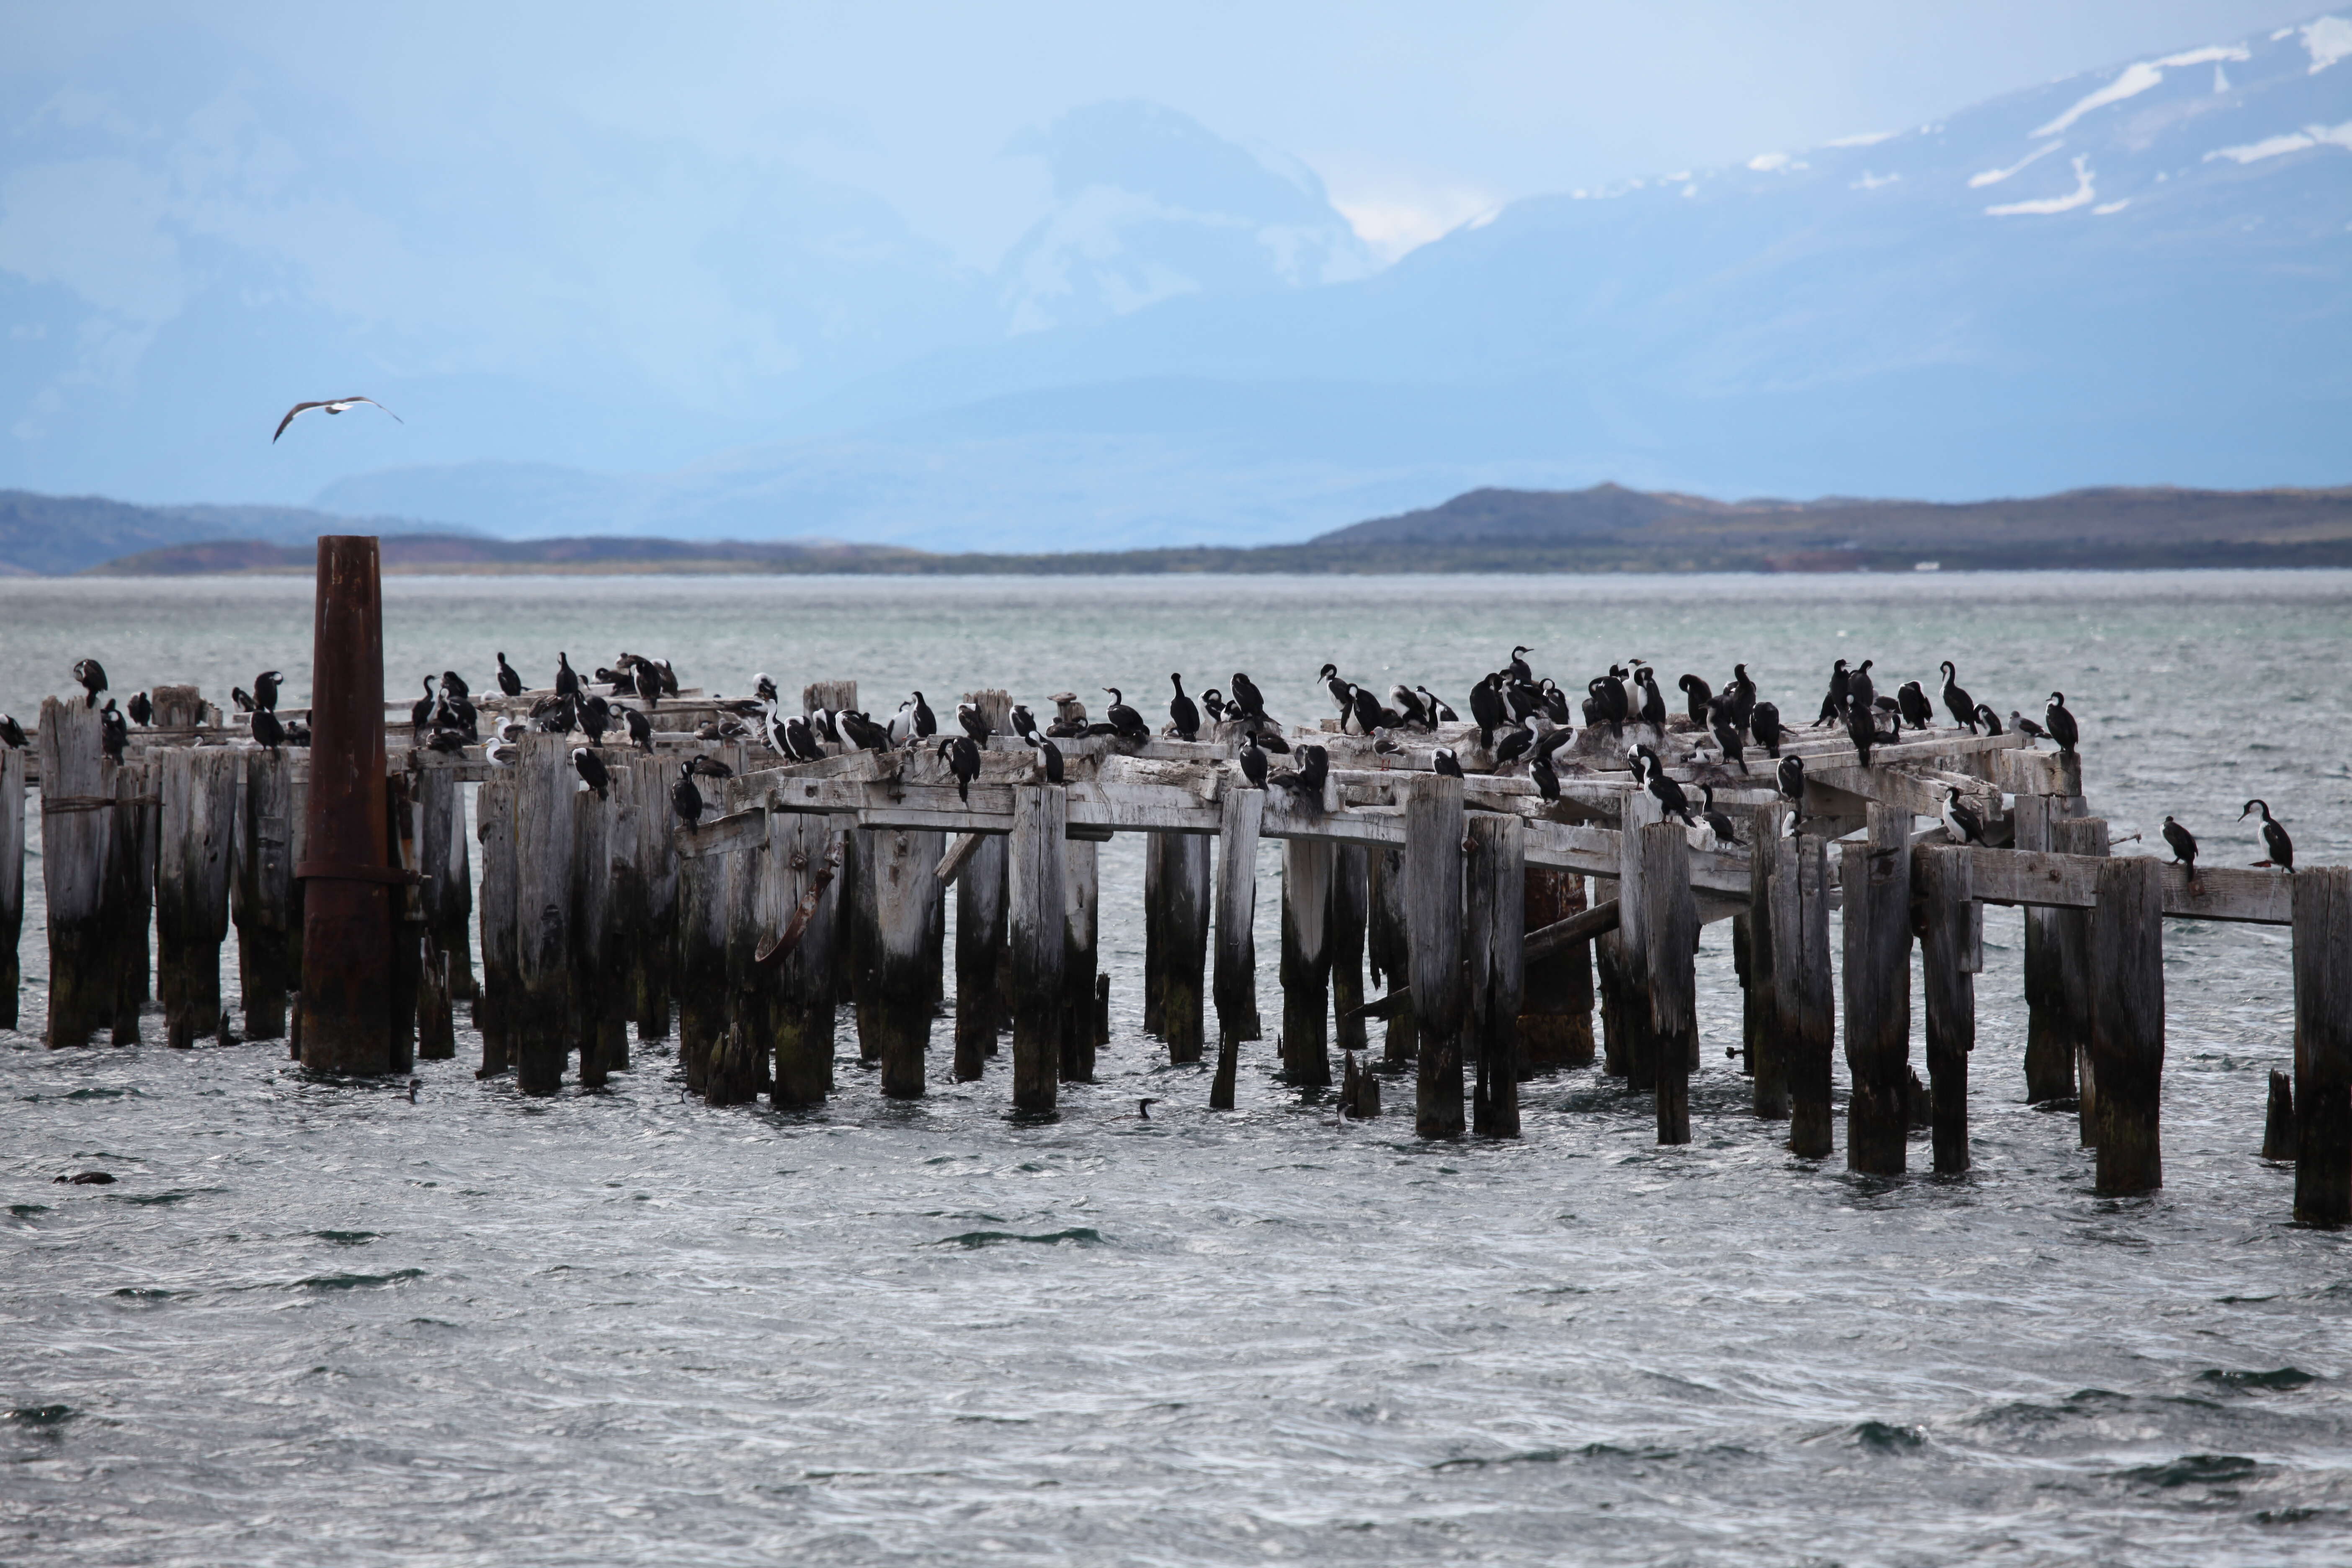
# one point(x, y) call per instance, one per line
point(2071, 881)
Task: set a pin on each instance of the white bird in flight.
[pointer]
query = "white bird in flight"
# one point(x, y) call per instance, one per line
point(332, 406)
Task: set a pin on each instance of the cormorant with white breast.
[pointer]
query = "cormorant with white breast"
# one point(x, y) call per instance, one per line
point(1790, 777)
point(1486, 708)
point(962, 755)
point(684, 797)
point(1342, 692)
point(1956, 702)
point(1253, 760)
point(1546, 780)
point(92, 677)
point(1439, 714)
point(1669, 795)
point(641, 729)
point(1049, 757)
point(1408, 707)
point(1963, 822)
point(1726, 731)
point(1719, 823)
point(1861, 691)
point(1989, 719)
point(1213, 702)
point(590, 769)
point(1518, 667)
point(1517, 741)
point(2274, 839)
point(2061, 722)
point(1443, 761)
point(115, 730)
point(1247, 697)
point(1654, 701)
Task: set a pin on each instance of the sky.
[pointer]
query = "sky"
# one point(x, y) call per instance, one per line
point(1416, 117)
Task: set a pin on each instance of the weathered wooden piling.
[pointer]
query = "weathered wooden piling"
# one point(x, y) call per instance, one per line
point(2279, 1138)
point(980, 953)
point(2323, 1045)
point(1876, 977)
point(77, 818)
point(1432, 887)
point(1670, 932)
point(1185, 897)
point(1155, 1018)
point(1035, 869)
point(890, 925)
point(1081, 909)
point(1765, 1022)
point(447, 867)
point(1307, 871)
point(1351, 888)
point(1802, 981)
point(1556, 1004)
point(802, 882)
point(2126, 979)
point(11, 879)
point(263, 894)
point(598, 986)
point(540, 1026)
point(1951, 1004)
point(2069, 933)
point(198, 791)
point(744, 1048)
point(130, 896)
point(1632, 1045)
point(500, 993)
point(1234, 978)
point(653, 952)
point(1496, 868)
point(2052, 1031)
point(1389, 950)
point(405, 974)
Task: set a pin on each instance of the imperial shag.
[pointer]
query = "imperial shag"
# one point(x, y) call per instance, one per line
point(2280, 846)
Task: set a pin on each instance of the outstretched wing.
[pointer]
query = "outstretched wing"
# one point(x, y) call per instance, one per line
point(298, 408)
point(372, 403)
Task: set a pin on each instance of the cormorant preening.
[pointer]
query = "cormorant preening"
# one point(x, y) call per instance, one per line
point(860, 731)
point(1790, 777)
point(1725, 729)
point(567, 679)
point(590, 769)
point(266, 684)
point(451, 682)
point(1517, 668)
point(242, 700)
point(1253, 760)
point(1963, 822)
point(1049, 757)
point(1307, 779)
point(1555, 701)
point(1342, 692)
point(641, 729)
point(1371, 716)
point(1861, 691)
point(93, 676)
point(1700, 695)
point(1486, 708)
point(1443, 761)
point(973, 722)
point(1918, 711)
point(1989, 719)
point(141, 709)
point(1764, 724)
point(2184, 845)
point(596, 718)
point(962, 753)
point(1862, 730)
point(1957, 702)
point(1609, 706)
point(1439, 714)
point(1247, 697)
point(1143, 1110)
point(1717, 822)
point(1125, 721)
point(2026, 726)
point(1182, 712)
point(685, 797)
point(2274, 839)
point(508, 681)
point(708, 767)
point(1408, 707)
point(267, 730)
point(1516, 743)
point(1743, 692)
point(12, 734)
point(1654, 701)
point(1540, 769)
point(2061, 722)
point(114, 729)
point(926, 723)
point(1213, 702)
point(1019, 722)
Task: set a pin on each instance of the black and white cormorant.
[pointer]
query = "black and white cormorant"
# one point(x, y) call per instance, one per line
point(12, 734)
point(114, 729)
point(1521, 697)
point(1555, 702)
point(1343, 692)
point(2061, 723)
point(141, 709)
point(1956, 702)
point(1540, 769)
point(1246, 696)
point(1439, 712)
point(590, 769)
point(1963, 822)
point(1408, 706)
point(1253, 760)
point(1720, 723)
point(567, 679)
point(453, 684)
point(685, 797)
point(973, 722)
point(1654, 701)
point(1371, 716)
point(669, 677)
point(1696, 688)
point(1124, 720)
point(1989, 719)
point(420, 712)
point(1021, 721)
point(1213, 702)
point(641, 729)
point(1790, 777)
point(708, 767)
point(1833, 703)
point(902, 724)
point(2026, 726)
point(2184, 845)
point(1918, 711)
point(267, 732)
point(242, 700)
point(1718, 822)
point(1517, 741)
point(1184, 713)
point(1743, 695)
point(763, 687)
point(926, 723)
point(1609, 705)
point(859, 731)
point(1669, 795)
point(962, 754)
point(92, 677)
point(1764, 724)
point(1443, 761)
point(508, 681)
point(1049, 757)
point(801, 742)
point(1518, 667)
point(2279, 847)
point(1487, 708)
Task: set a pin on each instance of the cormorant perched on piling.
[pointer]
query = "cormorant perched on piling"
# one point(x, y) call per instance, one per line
point(1518, 667)
point(1963, 822)
point(1540, 769)
point(1790, 777)
point(2061, 722)
point(2184, 846)
point(1049, 756)
point(267, 732)
point(641, 729)
point(508, 681)
point(1182, 712)
point(453, 686)
point(926, 723)
point(1443, 761)
point(242, 700)
point(1720, 723)
point(1439, 714)
point(862, 732)
point(1246, 696)
point(420, 712)
point(1307, 780)
point(802, 741)
point(685, 797)
point(266, 684)
point(1717, 822)
point(2275, 839)
point(1125, 721)
point(1989, 719)
point(141, 709)
point(1342, 691)
point(1701, 695)
point(763, 687)
point(115, 730)
point(1019, 722)
point(1956, 702)
point(1213, 702)
point(1516, 743)
point(708, 767)
point(1408, 707)
point(92, 677)
point(12, 734)
point(1654, 701)
point(1833, 705)
point(2026, 726)
point(1669, 795)
point(567, 679)
point(973, 722)
point(590, 769)
point(1609, 703)
point(1861, 691)
point(1370, 715)
point(1764, 724)
point(1487, 708)
point(596, 718)
point(1918, 711)
point(963, 761)
point(1253, 760)
point(1862, 730)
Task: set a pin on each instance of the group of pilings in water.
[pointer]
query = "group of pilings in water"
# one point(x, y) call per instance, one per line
point(599, 917)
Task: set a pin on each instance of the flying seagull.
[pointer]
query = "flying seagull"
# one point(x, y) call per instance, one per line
point(332, 406)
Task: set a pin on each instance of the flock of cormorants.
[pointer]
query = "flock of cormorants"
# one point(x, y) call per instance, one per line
point(1523, 721)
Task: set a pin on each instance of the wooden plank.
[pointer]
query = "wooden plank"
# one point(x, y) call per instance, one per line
point(1434, 926)
point(2323, 1045)
point(494, 1009)
point(980, 951)
point(2049, 880)
point(540, 1025)
point(729, 835)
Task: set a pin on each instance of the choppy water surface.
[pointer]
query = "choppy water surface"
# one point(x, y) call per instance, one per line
point(314, 1322)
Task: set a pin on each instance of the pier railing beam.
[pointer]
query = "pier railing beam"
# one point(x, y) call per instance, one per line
point(1877, 877)
point(1433, 888)
point(2323, 1045)
point(2126, 978)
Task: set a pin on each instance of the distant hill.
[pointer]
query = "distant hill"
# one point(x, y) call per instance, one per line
point(1606, 527)
point(47, 535)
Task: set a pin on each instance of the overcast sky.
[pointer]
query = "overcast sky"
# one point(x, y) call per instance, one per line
point(1416, 115)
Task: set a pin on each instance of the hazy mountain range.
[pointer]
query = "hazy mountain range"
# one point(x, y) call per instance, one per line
point(2137, 275)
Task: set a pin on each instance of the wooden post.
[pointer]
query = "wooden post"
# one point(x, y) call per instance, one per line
point(77, 818)
point(11, 879)
point(654, 955)
point(741, 1055)
point(699, 971)
point(803, 852)
point(1034, 867)
point(1432, 887)
point(347, 1019)
point(1556, 1007)
point(1389, 948)
point(435, 799)
point(1156, 848)
point(1185, 898)
point(1802, 979)
point(2050, 1042)
point(598, 986)
point(2278, 1118)
point(2323, 1045)
point(261, 899)
point(1877, 877)
point(2068, 938)
point(1625, 964)
point(979, 950)
point(2128, 1023)
point(1951, 1000)
point(1081, 895)
point(406, 972)
point(1235, 977)
point(198, 792)
point(1306, 961)
point(541, 1026)
point(1351, 887)
point(1670, 931)
point(625, 900)
point(449, 872)
point(1497, 871)
point(1771, 857)
point(889, 926)
point(130, 894)
point(495, 1004)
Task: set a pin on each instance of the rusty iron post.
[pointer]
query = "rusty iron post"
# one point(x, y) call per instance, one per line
point(347, 921)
